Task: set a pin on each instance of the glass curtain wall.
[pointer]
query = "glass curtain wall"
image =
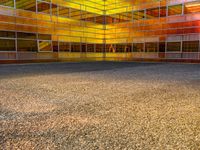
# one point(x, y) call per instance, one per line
point(154, 29)
point(142, 28)
point(51, 26)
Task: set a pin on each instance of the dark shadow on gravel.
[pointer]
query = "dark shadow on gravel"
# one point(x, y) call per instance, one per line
point(63, 68)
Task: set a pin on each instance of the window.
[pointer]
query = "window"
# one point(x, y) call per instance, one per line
point(7, 41)
point(175, 10)
point(87, 16)
point(44, 36)
point(26, 35)
point(99, 48)
point(27, 45)
point(64, 46)
point(54, 9)
point(9, 3)
point(90, 47)
point(120, 48)
point(190, 46)
point(75, 47)
point(104, 19)
point(192, 7)
point(7, 45)
point(47, 0)
point(107, 47)
point(45, 46)
point(43, 7)
point(111, 48)
point(138, 47)
point(27, 42)
point(128, 47)
point(7, 34)
point(152, 13)
point(129, 16)
point(163, 11)
point(138, 15)
point(63, 11)
point(151, 47)
point(26, 5)
point(75, 14)
point(174, 46)
point(114, 18)
point(124, 17)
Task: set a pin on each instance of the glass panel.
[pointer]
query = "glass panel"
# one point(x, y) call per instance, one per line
point(124, 17)
point(7, 34)
point(75, 47)
point(175, 10)
point(138, 15)
point(90, 47)
point(47, 0)
point(116, 19)
point(190, 46)
point(174, 46)
point(129, 16)
point(87, 16)
point(128, 47)
point(110, 48)
point(54, 9)
point(26, 5)
point(45, 46)
point(163, 11)
point(44, 36)
point(43, 7)
point(152, 13)
point(27, 45)
point(162, 47)
point(151, 47)
point(99, 47)
point(64, 47)
point(138, 47)
point(55, 46)
point(9, 3)
point(83, 47)
point(75, 14)
point(7, 45)
point(192, 7)
point(64, 12)
point(26, 35)
point(104, 20)
point(120, 48)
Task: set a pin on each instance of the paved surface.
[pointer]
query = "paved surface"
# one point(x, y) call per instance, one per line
point(100, 106)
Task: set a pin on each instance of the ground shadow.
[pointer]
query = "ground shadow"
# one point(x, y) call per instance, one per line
point(63, 68)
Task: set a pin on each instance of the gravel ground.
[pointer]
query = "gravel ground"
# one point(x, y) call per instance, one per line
point(100, 105)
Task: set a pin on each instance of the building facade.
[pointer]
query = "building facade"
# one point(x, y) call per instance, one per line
point(99, 29)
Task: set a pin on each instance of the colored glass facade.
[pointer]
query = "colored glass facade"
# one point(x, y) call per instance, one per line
point(100, 30)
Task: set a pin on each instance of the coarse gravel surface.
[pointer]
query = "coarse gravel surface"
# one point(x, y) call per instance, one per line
point(100, 106)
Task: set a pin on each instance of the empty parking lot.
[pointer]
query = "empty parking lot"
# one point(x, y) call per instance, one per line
point(100, 105)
